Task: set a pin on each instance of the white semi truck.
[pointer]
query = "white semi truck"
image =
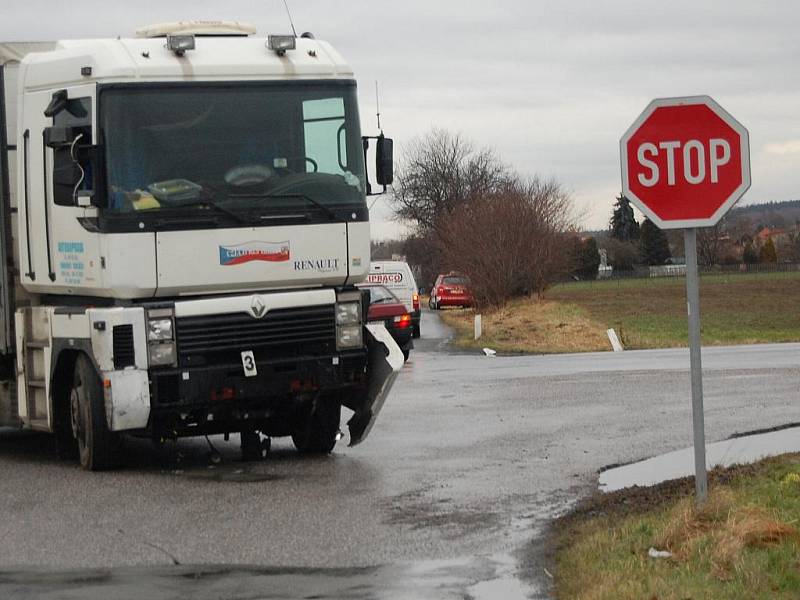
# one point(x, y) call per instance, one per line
point(183, 221)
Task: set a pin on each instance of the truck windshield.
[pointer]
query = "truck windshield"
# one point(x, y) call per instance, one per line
point(241, 147)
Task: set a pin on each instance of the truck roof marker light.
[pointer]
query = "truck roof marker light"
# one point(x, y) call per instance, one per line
point(281, 43)
point(206, 28)
point(179, 44)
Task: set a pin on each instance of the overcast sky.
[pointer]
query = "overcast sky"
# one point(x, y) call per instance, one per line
point(551, 86)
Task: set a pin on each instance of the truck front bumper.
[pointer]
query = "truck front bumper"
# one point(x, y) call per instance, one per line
point(220, 398)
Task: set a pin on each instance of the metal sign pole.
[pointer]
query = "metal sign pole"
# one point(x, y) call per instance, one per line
point(693, 308)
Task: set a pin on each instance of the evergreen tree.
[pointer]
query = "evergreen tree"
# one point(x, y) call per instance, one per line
point(654, 243)
point(623, 224)
point(767, 254)
point(749, 255)
point(588, 259)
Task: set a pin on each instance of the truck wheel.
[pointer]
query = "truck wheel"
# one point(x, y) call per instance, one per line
point(88, 415)
point(317, 427)
point(66, 446)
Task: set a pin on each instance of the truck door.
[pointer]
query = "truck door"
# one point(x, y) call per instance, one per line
point(57, 253)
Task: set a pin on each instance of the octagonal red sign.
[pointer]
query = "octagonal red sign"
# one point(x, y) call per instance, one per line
point(685, 162)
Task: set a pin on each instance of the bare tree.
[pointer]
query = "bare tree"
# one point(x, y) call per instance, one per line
point(709, 244)
point(790, 248)
point(386, 249)
point(512, 241)
point(423, 252)
point(440, 172)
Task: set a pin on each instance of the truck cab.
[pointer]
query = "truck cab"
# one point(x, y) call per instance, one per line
point(189, 220)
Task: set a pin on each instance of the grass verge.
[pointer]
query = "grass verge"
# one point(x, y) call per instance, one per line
point(744, 543)
point(651, 313)
point(529, 325)
point(646, 313)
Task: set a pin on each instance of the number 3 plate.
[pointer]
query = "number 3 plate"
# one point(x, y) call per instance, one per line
point(249, 364)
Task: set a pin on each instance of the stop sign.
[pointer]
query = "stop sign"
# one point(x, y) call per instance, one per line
point(685, 162)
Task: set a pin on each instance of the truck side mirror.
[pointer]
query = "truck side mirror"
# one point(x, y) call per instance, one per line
point(66, 176)
point(58, 102)
point(73, 165)
point(55, 137)
point(384, 161)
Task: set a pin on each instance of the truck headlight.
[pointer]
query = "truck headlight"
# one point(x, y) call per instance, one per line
point(162, 353)
point(349, 336)
point(161, 348)
point(159, 329)
point(348, 313)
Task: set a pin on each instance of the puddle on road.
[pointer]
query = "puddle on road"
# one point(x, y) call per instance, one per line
point(674, 465)
point(231, 475)
point(473, 577)
point(505, 584)
point(444, 580)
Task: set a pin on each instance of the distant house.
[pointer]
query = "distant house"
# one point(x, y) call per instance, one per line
point(777, 235)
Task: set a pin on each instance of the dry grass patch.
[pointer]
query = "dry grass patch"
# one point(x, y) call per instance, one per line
point(744, 543)
point(530, 325)
point(720, 531)
point(646, 313)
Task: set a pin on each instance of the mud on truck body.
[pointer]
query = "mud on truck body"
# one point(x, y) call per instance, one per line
point(184, 219)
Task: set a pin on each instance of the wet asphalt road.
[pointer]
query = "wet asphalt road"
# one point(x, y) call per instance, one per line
point(447, 498)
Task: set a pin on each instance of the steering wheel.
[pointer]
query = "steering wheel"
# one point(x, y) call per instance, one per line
point(247, 175)
point(313, 163)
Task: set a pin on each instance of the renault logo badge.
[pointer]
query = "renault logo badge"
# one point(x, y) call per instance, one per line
point(257, 307)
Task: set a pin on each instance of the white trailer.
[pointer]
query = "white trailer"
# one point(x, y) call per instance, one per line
point(184, 220)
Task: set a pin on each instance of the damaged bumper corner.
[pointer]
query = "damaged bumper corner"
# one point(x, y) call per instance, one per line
point(385, 359)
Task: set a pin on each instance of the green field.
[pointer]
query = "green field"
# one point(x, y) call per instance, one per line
point(651, 313)
point(646, 313)
point(744, 543)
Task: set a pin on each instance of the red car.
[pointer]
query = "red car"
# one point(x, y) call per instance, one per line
point(450, 290)
point(386, 307)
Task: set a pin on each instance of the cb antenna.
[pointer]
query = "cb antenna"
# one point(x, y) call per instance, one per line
point(378, 107)
point(289, 14)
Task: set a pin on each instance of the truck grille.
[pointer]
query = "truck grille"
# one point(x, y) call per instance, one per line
point(283, 333)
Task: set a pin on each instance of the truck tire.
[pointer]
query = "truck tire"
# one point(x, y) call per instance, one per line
point(96, 442)
point(317, 426)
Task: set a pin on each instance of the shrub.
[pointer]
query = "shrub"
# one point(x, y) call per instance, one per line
point(511, 242)
point(587, 259)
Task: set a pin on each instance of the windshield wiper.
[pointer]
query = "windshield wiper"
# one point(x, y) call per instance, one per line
point(319, 205)
point(218, 208)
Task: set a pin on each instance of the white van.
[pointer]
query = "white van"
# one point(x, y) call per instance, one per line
point(397, 276)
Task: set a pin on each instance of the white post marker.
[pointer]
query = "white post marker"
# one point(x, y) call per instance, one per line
point(478, 330)
point(685, 163)
point(615, 343)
